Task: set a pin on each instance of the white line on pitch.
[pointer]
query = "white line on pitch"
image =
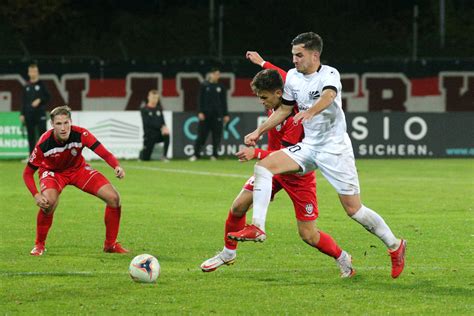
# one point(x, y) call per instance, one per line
point(202, 173)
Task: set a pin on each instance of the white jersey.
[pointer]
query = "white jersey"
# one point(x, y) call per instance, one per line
point(325, 132)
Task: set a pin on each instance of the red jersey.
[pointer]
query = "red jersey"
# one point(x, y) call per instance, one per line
point(285, 134)
point(51, 154)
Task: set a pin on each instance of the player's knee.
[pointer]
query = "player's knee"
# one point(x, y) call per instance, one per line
point(309, 235)
point(114, 199)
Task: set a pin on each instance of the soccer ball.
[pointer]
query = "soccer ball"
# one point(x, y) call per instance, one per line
point(144, 268)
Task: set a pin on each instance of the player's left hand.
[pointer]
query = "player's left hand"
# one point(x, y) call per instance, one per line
point(36, 102)
point(302, 117)
point(119, 172)
point(246, 154)
point(226, 119)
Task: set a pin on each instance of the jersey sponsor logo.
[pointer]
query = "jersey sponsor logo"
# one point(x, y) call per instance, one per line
point(62, 149)
point(309, 208)
point(313, 95)
point(47, 174)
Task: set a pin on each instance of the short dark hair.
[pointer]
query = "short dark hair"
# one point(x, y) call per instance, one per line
point(267, 80)
point(60, 110)
point(310, 40)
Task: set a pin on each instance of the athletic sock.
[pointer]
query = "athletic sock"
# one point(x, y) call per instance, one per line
point(262, 192)
point(375, 224)
point(233, 224)
point(112, 224)
point(43, 224)
point(328, 245)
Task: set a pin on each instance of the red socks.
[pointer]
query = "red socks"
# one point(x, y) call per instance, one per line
point(43, 224)
point(328, 246)
point(233, 224)
point(112, 224)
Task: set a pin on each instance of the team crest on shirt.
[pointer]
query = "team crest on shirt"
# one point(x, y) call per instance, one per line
point(37, 87)
point(74, 152)
point(313, 95)
point(309, 208)
point(85, 133)
point(278, 127)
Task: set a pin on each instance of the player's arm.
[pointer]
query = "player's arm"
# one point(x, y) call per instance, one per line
point(326, 99)
point(249, 153)
point(276, 118)
point(28, 178)
point(255, 58)
point(93, 144)
point(109, 158)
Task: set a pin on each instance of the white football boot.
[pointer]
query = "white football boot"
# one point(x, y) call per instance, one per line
point(218, 260)
point(345, 264)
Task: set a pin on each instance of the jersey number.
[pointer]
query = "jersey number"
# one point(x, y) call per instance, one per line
point(294, 148)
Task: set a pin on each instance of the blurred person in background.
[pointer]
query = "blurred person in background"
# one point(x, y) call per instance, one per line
point(33, 110)
point(212, 113)
point(154, 127)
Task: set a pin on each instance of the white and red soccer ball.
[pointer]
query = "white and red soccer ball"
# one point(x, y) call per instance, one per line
point(144, 268)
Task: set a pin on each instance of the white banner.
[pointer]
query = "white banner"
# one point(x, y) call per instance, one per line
point(119, 131)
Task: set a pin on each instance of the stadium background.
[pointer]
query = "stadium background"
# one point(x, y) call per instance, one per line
point(413, 57)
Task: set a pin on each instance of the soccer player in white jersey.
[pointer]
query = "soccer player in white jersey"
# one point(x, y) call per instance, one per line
point(316, 88)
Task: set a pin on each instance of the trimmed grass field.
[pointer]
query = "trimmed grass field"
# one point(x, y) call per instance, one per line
point(176, 211)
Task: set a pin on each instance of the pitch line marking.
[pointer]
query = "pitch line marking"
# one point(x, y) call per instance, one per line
point(201, 173)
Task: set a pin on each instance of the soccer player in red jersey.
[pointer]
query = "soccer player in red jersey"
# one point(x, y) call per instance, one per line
point(268, 86)
point(58, 156)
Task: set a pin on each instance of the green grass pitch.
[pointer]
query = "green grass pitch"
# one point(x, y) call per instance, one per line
point(176, 211)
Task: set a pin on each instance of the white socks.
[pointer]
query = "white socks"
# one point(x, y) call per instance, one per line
point(375, 224)
point(229, 253)
point(262, 192)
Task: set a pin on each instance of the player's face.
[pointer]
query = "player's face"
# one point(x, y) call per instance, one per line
point(33, 73)
point(215, 76)
point(305, 60)
point(62, 127)
point(270, 99)
point(153, 98)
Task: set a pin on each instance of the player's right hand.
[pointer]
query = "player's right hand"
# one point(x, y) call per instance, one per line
point(252, 138)
point(201, 116)
point(254, 57)
point(119, 172)
point(41, 201)
point(246, 154)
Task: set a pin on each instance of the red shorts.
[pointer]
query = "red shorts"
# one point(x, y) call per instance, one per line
point(301, 190)
point(84, 178)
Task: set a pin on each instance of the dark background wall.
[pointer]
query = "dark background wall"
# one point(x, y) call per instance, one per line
point(150, 30)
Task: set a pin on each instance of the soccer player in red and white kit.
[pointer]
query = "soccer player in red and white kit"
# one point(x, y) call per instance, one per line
point(268, 86)
point(58, 156)
point(316, 89)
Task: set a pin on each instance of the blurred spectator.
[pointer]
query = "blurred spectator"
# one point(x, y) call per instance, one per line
point(154, 127)
point(213, 114)
point(33, 110)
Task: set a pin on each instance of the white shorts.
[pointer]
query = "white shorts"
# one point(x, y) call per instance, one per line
point(338, 169)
